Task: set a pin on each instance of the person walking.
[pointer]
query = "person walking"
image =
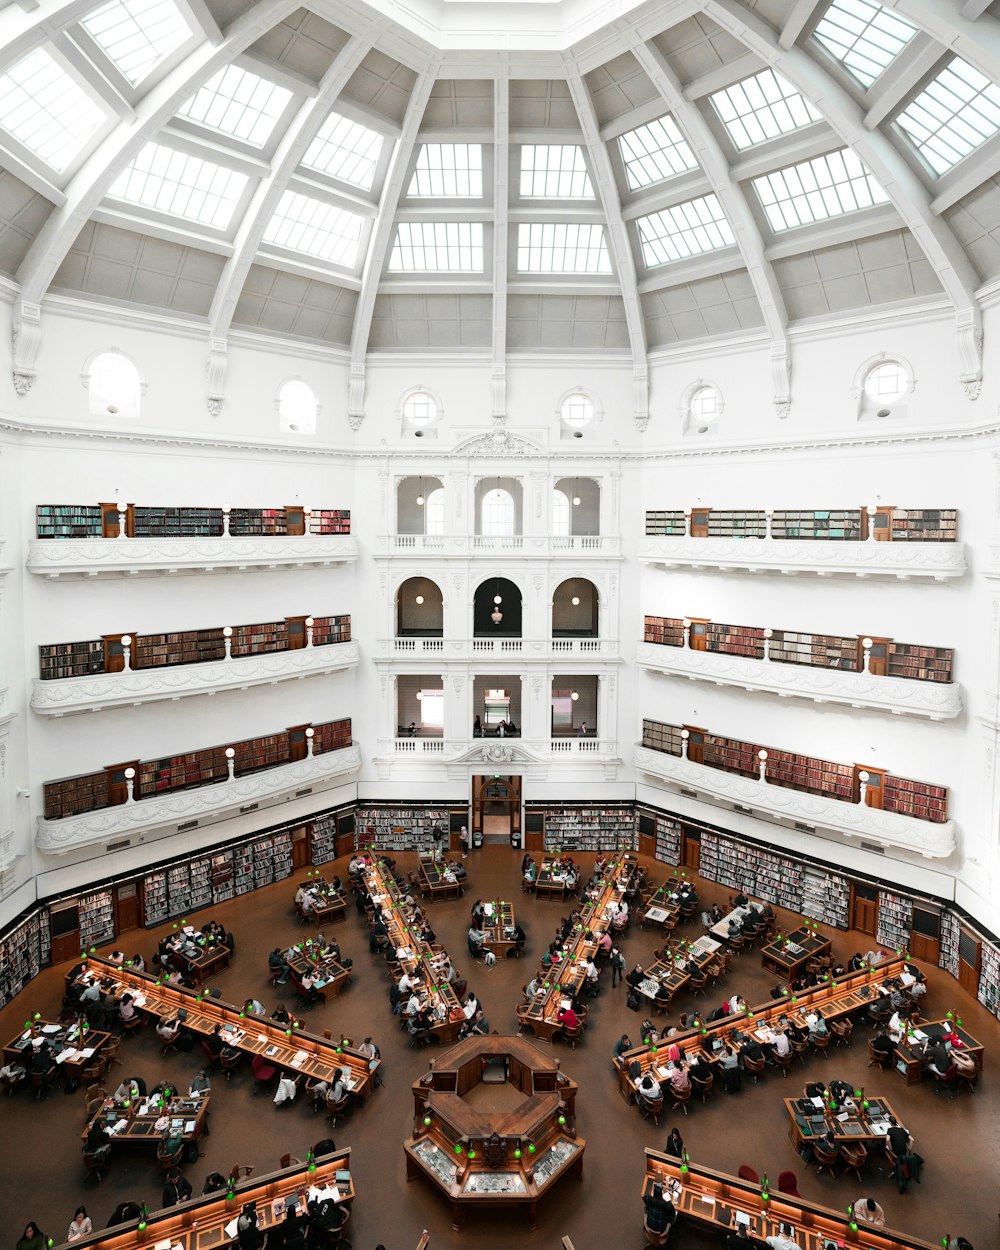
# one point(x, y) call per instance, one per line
point(463, 837)
point(617, 966)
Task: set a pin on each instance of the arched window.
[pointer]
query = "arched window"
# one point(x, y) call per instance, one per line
point(434, 512)
point(577, 410)
point(882, 386)
point(705, 404)
point(419, 409)
point(560, 514)
point(886, 383)
point(297, 407)
point(498, 513)
point(701, 407)
point(114, 386)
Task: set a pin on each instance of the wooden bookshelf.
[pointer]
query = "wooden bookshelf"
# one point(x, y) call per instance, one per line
point(730, 755)
point(915, 798)
point(670, 524)
point(25, 948)
point(837, 524)
point(330, 521)
point(161, 522)
point(401, 827)
point(181, 772)
point(659, 737)
point(921, 663)
point(68, 521)
point(101, 520)
point(192, 646)
point(815, 650)
point(667, 631)
point(843, 525)
point(329, 630)
point(744, 640)
point(331, 736)
point(735, 524)
point(573, 827)
point(71, 659)
point(895, 920)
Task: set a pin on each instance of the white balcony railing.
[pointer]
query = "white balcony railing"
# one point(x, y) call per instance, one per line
point(531, 546)
point(188, 807)
point(502, 750)
point(852, 820)
point(93, 557)
point(530, 648)
point(823, 557)
point(902, 696)
point(176, 681)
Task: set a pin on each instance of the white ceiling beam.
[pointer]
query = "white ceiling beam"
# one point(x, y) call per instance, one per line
point(501, 201)
point(722, 76)
point(977, 168)
point(91, 183)
point(23, 27)
point(557, 284)
point(291, 149)
point(849, 229)
point(625, 122)
point(586, 213)
point(308, 182)
point(30, 176)
point(435, 284)
point(976, 41)
point(200, 16)
point(948, 258)
point(603, 179)
point(444, 210)
point(902, 77)
point(971, 9)
point(381, 239)
point(790, 149)
point(666, 194)
point(186, 234)
point(710, 265)
point(306, 267)
point(712, 160)
point(85, 68)
point(799, 17)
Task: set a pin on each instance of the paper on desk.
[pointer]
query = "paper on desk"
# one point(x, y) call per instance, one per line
point(189, 1127)
point(162, 1245)
point(300, 1057)
point(817, 1102)
point(842, 1117)
point(50, 1028)
point(261, 1037)
point(230, 1229)
point(117, 1128)
point(317, 1194)
point(707, 1198)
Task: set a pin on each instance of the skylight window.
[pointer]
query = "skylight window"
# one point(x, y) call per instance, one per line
point(138, 35)
point(654, 153)
point(554, 171)
point(345, 150)
point(316, 228)
point(955, 113)
point(557, 247)
point(864, 37)
point(237, 103)
point(454, 169)
point(186, 186)
point(684, 230)
point(437, 247)
point(828, 186)
point(45, 109)
point(761, 108)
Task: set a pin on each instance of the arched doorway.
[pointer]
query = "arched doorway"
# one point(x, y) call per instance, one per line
point(496, 808)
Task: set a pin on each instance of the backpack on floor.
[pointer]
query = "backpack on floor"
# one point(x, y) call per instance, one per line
point(632, 1002)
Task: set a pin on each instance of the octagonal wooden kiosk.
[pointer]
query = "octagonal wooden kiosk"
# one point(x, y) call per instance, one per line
point(494, 1124)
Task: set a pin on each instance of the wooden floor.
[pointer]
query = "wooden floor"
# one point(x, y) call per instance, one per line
point(42, 1174)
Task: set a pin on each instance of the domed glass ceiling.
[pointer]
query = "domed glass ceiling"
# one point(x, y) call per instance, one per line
point(501, 177)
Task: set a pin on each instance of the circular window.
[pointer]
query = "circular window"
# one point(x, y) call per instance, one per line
point(886, 383)
point(297, 407)
point(705, 404)
point(420, 409)
point(578, 410)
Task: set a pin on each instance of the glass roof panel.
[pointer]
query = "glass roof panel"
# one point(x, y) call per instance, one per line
point(448, 169)
point(761, 108)
point(864, 37)
point(44, 108)
point(138, 35)
point(554, 171)
point(345, 150)
point(437, 247)
point(816, 190)
point(684, 230)
point(561, 247)
point(955, 113)
point(654, 153)
point(237, 103)
point(316, 228)
point(186, 186)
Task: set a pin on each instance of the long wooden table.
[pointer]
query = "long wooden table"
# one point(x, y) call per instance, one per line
point(416, 955)
point(306, 959)
point(673, 971)
point(329, 905)
point(194, 954)
point(63, 1039)
point(838, 998)
point(910, 1063)
point(292, 1051)
point(204, 1223)
point(712, 1199)
point(138, 1119)
point(436, 882)
point(550, 883)
point(662, 907)
point(864, 1125)
point(780, 957)
point(541, 1014)
point(498, 925)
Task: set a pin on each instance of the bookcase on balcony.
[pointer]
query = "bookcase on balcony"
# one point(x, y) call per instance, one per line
point(667, 631)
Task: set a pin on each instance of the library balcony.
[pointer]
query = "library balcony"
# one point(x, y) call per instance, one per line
point(765, 673)
point(97, 691)
point(496, 750)
point(524, 546)
point(460, 649)
point(866, 542)
point(797, 808)
point(183, 810)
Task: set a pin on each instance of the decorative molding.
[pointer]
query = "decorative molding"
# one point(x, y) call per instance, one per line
point(969, 329)
point(498, 444)
point(851, 820)
point(427, 751)
point(898, 695)
point(468, 650)
point(58, 837)
point(27, 339)
point(216, 367)
point(522, 546)
point(824, 557)
point(152, 685)
point(781, 377)
point(90, 557)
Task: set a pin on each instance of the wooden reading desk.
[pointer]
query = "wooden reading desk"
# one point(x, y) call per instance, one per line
point(191, 952)
point(64, 1041)
point(292, 1051)
point(866, 1125)
point(788, 956)
point(329, 905)
point(673, 970)
point(437, 881)
point(204, 1223)
point(712, 1199)
point(144, 1121)
point(306, 958)
point(498, 925)
point(663, 909)
point(550, 881)
point(910, 1062)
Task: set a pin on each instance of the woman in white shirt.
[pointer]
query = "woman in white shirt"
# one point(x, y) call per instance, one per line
point(80, 1225)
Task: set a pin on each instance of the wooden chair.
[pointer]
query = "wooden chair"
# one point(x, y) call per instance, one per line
point(131, 1026)
point(10, 1083)
point(93, 1164)
point(335, 1108)
point(174, 1159)
point(876, 1059)
point(654, 1239)
point(93, 1072)
point(41, 1082)
point(842, 1030)
point(110, 1053)
point(95, 1097)
point(821, 1044)
point(703, 1088)
point(287, 1160)
point(799, 1048)
point(736, 944)
point(240, 1171)
point(572, 1035)
point(854, 1155)
point(755, 1067)
point(681, 1098)
point(697, 983)
point(788, 1184)
point(746, 1173)
point(784, 1062)
point(825, 1159)
point(650, 1108)
point(230, 1063)
point(169, 1045)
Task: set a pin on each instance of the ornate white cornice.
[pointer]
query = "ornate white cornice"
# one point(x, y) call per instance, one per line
point(498, 751)
point(468, 650)
point(936, 700)
point(58, 837)
point(851, 820)
point(91, 557)
point(824, 557)
point(521, 546)
point(150, 685)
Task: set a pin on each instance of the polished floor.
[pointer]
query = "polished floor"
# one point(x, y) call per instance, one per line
point(40, 1160)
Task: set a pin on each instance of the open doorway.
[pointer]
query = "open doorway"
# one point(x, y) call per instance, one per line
point(496, 808)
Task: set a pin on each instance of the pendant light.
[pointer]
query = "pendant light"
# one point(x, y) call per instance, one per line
point(496, 616)
point(576, 492)
point(420, 495)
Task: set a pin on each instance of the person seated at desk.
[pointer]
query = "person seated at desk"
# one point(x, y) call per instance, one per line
point(868, 1211)
point(660, 1211)
point(896, 1026)
point(840, 1091)
point(90, 993)
point(80, 1225)
point(649, 1088)
point(326, 1219)
point(622, 1046)
point(126, 1009)
point(636, 977)
point(477, 940)
point(531, 872)
point(117, 958)
point(680, 1080)
point(964, 1064)
point(817, 1025)
point(552, 956)
point(98, 1142)
point(740, 900)
point(734, 928)
point(883, 1045)
point(737, 1005)
point(470, 1006)
point(168, 1027)
point(254, 1007)
point(278, 966)
point(32, 1238)
point(201, 1083)
point(783, 1239)
point(754, 1051)
point(281, 1015)
point(176, 1188)
point(663, 993)
point(567, 1017)
point(478, 1026)
point(127, 1090)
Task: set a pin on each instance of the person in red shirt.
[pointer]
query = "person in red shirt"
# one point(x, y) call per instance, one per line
point(567, 1017)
